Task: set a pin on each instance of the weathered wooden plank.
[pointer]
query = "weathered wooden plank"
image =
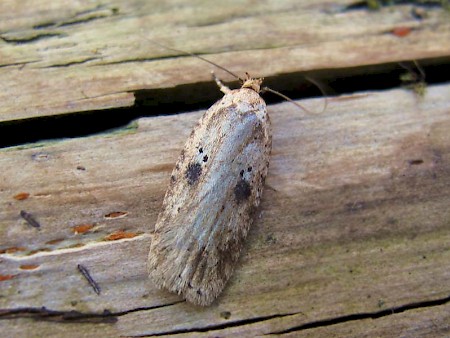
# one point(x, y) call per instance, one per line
point(85, 56)
point(425, 322)
point(354, 219)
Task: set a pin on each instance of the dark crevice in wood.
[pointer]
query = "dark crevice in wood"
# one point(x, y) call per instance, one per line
point(71, 63)
point(22, 64)
point(310, 325)
point(42, 313)
point(199, 96)
point(219, 326)
point(45, 25)
point(80, 17)
point(364, 5)
point(367, 315)
point(45, 314)
point(320, 323)
point(140, 59)
point(29, 39)
point(83, 20)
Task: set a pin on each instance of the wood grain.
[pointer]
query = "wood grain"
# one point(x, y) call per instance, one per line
point(354, 219)
point(84, 56)
point(352, 235)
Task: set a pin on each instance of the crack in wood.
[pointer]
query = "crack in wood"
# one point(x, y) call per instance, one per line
point(309, 325)
point(29, 39)
point(375, 5)
point(366, 315)
point(71, 63)
point(58, 316)
point(83, 20)
point(42, 313)
point(186, 98)
point(101, 240)
point(88, 15)
point(221, 326)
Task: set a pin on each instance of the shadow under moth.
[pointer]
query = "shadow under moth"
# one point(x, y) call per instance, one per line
point(214, 191)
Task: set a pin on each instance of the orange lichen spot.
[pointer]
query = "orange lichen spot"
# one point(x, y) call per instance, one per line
point(82, 228)
point(401, 31)
point(120, 234)
point(54, 241)
point(6, 277)
point(116, 214)
point(12, 250)
point(29, 266)
point(21, 196)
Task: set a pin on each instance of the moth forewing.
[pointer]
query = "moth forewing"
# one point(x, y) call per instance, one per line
point(214, 190)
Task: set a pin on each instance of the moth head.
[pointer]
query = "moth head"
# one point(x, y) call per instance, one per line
point(251, 83)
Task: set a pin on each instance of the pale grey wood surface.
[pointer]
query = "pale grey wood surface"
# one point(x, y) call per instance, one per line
point(81, 56)
point(352, 237)
point(354, 219)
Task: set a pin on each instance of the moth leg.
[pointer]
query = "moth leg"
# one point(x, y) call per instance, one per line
point(224, 89)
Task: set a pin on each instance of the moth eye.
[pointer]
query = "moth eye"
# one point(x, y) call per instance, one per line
point(205, 158)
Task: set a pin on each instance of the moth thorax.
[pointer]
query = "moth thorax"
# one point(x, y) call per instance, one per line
point(254, 84)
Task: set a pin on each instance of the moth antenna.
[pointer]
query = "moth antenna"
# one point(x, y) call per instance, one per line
point(314, 82)
point(223, 88)
point(409, 69)
point(420, 69)
point(196, 56)
point(322, 90)
point(267, 89)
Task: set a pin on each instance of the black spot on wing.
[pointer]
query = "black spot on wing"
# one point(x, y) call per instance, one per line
point(193, 172)
point(242, 191)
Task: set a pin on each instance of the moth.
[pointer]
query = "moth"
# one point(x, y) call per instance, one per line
point(214, 191)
